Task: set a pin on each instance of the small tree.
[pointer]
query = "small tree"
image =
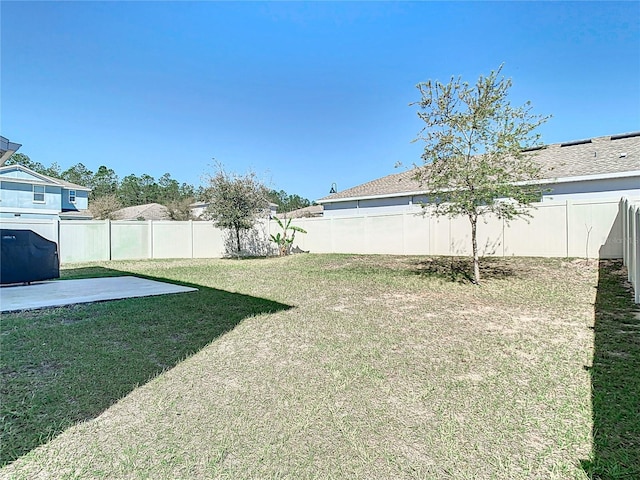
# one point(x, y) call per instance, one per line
point(180, 209)
point(474, 162)
point(103, 208)
point(236, 202)
point(282, 239)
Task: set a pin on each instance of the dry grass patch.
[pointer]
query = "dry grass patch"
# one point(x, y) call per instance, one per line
point(386, 367)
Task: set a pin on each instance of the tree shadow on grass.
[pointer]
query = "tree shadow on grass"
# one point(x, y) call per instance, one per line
point(615, 378)
point(460, 269)
point(64, 365)
point(448, 269)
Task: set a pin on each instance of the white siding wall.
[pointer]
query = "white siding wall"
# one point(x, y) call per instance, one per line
point(613, 188)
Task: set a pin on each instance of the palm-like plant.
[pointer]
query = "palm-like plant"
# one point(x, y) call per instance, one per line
point(282, 239)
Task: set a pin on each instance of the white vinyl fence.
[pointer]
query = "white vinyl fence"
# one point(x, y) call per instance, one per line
point(91, 240)
point(587, 229)
point(631, 243)
point(592, 229)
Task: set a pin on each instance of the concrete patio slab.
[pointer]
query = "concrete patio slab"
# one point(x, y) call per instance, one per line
point(67, 292)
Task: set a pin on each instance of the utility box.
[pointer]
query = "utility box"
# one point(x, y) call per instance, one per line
point(27, 257)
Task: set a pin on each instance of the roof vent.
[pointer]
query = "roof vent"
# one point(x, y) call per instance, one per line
point(625, 135)
point(533, 149)
point(623, 155)
point(576, 142)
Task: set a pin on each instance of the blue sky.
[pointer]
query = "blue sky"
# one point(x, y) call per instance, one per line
point(304, 94)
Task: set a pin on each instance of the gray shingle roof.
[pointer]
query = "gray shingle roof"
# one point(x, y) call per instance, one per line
point(150, 211)
point(306, 212)
point(597, 156)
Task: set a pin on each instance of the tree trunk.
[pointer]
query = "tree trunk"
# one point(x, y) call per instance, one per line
point(474, 241)
point(238, 242)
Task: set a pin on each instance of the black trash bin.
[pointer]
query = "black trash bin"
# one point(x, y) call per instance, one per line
point(27, 257)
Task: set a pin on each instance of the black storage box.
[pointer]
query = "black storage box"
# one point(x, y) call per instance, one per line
point(27, 257)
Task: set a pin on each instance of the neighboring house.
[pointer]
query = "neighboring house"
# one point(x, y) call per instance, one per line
point(27, 194)
point(306, 212)
point(198, 209)
point(150, 211)
point(603, 168)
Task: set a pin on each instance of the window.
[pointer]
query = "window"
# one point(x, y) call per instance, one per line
point(72, 196)
point(38, 194)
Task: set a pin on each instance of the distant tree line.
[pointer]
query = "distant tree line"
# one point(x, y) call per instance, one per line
point(110, 193)
point(287, 203)
point(131, 190)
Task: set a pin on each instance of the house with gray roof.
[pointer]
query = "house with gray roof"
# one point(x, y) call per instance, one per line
point(28, 194)
point(148, 211)
point(598, 168)
point(312, 211)
point(199, 209)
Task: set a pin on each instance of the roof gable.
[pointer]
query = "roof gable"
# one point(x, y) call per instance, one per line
point(23, 175)
point(607, 156)
point(20, 173)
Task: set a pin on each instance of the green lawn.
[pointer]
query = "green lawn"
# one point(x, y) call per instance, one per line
point(330, 366)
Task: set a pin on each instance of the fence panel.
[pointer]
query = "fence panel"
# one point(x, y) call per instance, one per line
point(208, 241)
point(383, 234)
point(631, 243)
point(172, 239)
point(594, 229)
point(416, 234)
point(131, 240)
point(542, 235)
point(490, 236)
point(347, 234)
point(85, 241)
point(318, 237)
point(43, 227)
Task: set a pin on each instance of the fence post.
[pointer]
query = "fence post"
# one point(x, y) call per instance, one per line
point(503, 238)
point(567, 207)
point(191, 234)
point(631, 261)
point(636, 245)
point(56, 227)
point(150, 245)
point(625, 229)
point(108, 247)
point(634, 256)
